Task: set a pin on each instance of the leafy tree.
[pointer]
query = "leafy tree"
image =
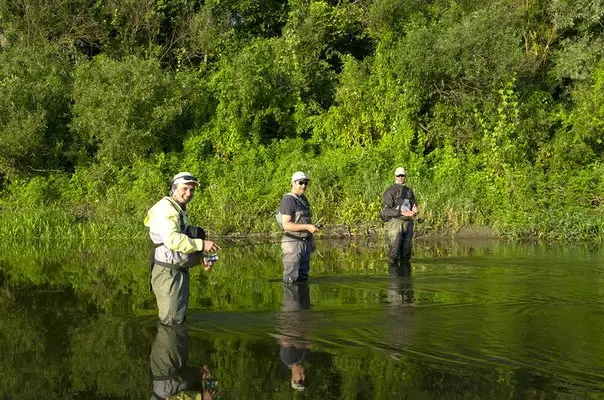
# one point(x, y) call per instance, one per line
point(67, 23)
point(320, 35)
point(35, 85)
point(578, 29)
point(258, 95)
point(126, 109)
point(222, 28)
point(580, 141)
point(253, 18)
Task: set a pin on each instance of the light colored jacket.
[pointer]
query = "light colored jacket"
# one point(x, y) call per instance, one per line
point(167, 223)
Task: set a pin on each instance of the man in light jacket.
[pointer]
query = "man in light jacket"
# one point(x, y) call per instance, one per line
point(178, 247)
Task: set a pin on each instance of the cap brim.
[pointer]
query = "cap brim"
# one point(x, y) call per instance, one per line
point(186, 181)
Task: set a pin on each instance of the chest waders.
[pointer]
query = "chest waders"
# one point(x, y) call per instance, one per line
point(153, 261)
point(400, 231)
point(169, 274)
point(297, 246)
point(173, 259)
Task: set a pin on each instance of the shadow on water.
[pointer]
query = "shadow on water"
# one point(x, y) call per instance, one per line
point(483, 320)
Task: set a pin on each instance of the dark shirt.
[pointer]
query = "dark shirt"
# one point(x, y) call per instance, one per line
point(288, 205)
point(393, 199)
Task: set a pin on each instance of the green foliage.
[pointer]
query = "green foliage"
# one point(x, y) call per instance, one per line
point(352, 120)
point(577, 26)
point(222, 28)
point(319, 35)
point(489, 105)
point(500, 147)
point(66, 22)
point(391, 16)
point(581, 141)
point(125, 110)
point(35, 86)
point(257, 95)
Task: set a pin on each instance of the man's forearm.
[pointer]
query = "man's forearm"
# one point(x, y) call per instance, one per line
point(180, 242)
point(293, 227)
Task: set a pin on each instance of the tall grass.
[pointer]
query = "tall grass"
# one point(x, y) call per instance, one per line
point(239, 197)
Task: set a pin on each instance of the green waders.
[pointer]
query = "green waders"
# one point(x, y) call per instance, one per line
point(171, 289)
point(400, 233)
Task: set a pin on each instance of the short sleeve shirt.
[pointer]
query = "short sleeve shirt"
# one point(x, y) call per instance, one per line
point(288, 206)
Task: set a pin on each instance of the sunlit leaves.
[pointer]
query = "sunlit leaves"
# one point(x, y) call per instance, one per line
point(124, 110)
point(257, 96)
point(35, 86)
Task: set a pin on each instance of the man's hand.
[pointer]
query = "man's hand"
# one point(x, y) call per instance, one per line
point(410, 213)
point(207, 265)
point(210, 394)
point(205, 372)
point(210, 391)
point(209, 246)
point(313, 228)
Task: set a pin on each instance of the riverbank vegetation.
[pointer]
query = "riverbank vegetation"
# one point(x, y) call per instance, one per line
point(495, 108)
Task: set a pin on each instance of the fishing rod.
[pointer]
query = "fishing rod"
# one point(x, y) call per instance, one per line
point(213, 257)
point(271, 241)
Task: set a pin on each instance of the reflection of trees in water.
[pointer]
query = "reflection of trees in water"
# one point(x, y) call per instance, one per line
point(74, 351)
point(66, 311)
point(115, 279)
point(107, 277)
point(22, 345)
point(436, 247)
point(57, 338)
point(106, 345)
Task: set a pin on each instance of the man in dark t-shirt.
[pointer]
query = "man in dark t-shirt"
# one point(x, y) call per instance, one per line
point(297, 242)
point(399, 212)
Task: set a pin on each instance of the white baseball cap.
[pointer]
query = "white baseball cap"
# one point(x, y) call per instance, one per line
point(299, 176)
point(399, 171)
point(184, 177)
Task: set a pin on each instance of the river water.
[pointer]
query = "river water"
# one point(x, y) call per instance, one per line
point(465, 320)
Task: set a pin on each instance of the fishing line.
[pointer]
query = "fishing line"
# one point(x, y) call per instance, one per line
point(271, 241)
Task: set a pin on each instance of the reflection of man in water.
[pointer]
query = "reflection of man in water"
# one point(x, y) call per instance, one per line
point(172, 378)
point(401, 288)
point(293, 322)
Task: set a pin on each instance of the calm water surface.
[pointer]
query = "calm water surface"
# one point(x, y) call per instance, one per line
point(481, 320)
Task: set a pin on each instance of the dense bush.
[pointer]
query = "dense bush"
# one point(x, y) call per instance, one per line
point(495, 108)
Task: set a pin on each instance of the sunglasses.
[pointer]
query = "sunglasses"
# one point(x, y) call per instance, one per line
point(398, 176)
point(303, 183)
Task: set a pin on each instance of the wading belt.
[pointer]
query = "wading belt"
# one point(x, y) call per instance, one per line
point(161, 264)
point(289, 235)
